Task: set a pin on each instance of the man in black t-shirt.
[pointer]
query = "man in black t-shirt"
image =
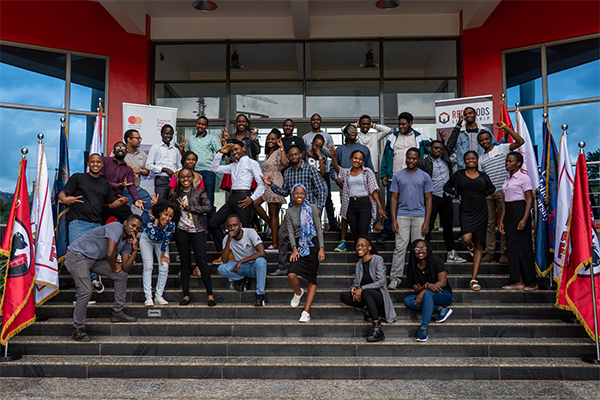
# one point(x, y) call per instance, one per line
point(289, 140)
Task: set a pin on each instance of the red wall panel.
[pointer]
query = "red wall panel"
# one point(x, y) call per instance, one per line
point(84, 26)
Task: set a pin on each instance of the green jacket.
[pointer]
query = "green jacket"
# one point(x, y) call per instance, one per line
point(387, 161)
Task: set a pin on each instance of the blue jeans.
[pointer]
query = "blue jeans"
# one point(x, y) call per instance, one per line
point(387, 225)
point(431, 301)
point(209, 179)
point(256, 269)
point(329, 202)
point(144, 196)
point(147, 247)
point(77, 228)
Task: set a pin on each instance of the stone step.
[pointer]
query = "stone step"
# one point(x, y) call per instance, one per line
point(283, 295)
point(208, 346)
point(334, 311)
point(302, 367)
point(317, 328)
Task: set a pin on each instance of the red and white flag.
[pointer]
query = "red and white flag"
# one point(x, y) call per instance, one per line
point(530, 167)
point(562, 243)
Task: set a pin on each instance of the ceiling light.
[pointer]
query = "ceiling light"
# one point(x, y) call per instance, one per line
point(205, 5)
point(387, 4)
point(235, 61)
point(369, 63)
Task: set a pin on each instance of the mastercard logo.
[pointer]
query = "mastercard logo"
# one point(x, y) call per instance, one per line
point(134, 120)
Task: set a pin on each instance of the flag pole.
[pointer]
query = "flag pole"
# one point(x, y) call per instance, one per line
point(14, 356)
point(590, 358)
point(550, 275)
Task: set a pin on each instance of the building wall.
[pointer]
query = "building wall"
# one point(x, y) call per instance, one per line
point(87, 27)
point(516, 24)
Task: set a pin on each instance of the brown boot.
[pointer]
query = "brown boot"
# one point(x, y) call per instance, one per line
point(489, 257)
point(503, 259)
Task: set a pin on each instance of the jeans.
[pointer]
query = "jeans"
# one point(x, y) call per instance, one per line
point(256, 269)
point(187, 241)
point(431, 300)
point(144, 196)
point(209, 179)
point(231, 207)
point(445, 208)
point(359, 216)
point(328, 201)
point(147, 247)
point(77, 228)
point(410, 229)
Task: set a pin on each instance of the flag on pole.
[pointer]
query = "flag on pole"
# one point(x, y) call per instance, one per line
point(96, 146)
point(585, 256)
point(42, 227)
point(59, 209)
point(18, 305)
point(504, 117)
point(562, 241)
point(529, 167)
point(546, 212)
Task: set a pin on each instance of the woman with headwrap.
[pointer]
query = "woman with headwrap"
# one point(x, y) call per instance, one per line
point(306, 238)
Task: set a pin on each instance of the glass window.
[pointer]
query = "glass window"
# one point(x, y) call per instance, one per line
point(81, 131)
point(267, 99)
point(193, 99)
point(190, 62)
point(32, 77)
point(583, 121)
point(416, 97)
point(342, 99)
point(573, 70)
point(87, 82)
point(19, 128)
point(327, 60)
point(533, 119)
point(524, 77)
point(404, 59)
point(267, 61)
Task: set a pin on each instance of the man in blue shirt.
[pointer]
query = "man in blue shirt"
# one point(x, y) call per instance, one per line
point(410, 210)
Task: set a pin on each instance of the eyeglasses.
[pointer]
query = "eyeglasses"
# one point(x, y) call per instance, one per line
point(137, 137)
point(120, 148)
point(185, 176)
point(360, 246)
point(437, 148)
point(424, 248)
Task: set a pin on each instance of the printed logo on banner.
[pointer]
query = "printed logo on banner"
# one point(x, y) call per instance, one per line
point(444, 118)
point(133, 120)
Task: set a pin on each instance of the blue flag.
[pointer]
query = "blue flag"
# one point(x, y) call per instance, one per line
point(60, 209)
point(547, 195)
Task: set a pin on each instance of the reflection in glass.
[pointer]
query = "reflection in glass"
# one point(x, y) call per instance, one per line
point(416, 97)
point(342, 99)
point(193, 99)
point(421, 58)
point(32, 77)
point(267, 99)
point(340, 59)
point(533, 119)
point(574, 70)
point(189, 62)
point(19, 128)
point(583, 121)
point(268, 61)
point(80, 131)
point(87, 82)
point(524, 77)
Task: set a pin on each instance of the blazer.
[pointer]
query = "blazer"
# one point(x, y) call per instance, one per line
point(378, 273)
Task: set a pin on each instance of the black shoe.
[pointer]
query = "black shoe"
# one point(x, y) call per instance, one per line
point(381, 239)
point(279, 272)
point(184, 302)
point(241, 285)
point(80, 336)
point(260, 300)
point(376, 334)
point(212, 303)
point(122, 316)
point(335, 228)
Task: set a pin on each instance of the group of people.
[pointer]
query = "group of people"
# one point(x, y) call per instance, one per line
point(417, 171)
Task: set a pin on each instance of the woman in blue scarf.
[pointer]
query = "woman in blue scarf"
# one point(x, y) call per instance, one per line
point(306, 239)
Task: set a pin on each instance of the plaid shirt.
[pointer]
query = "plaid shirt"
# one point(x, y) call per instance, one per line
point(371, 186)
point(310, 178)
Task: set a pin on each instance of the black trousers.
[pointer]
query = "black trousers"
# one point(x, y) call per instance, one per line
point(161, 187)
point(121, 213)
point(372, 298)
point(231, 207)
point(359, 216)
point(445, 208)
point(519, 247)
point(185, 243)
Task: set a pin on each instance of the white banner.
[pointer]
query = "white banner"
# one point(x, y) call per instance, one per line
point(42, 228)
point(148, 120)
point(448, 112)
point(530, 167)
point(563, 207)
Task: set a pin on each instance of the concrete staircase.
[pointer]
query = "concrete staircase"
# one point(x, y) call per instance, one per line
point(492, 334)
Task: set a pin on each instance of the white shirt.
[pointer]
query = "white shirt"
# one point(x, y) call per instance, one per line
point(371, 140)
point(242, 172)
point(246, 246)
point(403, 143)
point(162, 156)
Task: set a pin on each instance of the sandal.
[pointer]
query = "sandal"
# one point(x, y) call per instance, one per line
point(475, 285)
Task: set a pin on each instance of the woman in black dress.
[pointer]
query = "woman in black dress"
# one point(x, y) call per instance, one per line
point(472, 186)
point(306, 238)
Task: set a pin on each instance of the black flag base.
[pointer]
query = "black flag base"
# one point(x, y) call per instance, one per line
point(11, 357)
point(591, 359)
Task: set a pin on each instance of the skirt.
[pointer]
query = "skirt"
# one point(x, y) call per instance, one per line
point(307, 266)
point(519, 247)
point(474, 221)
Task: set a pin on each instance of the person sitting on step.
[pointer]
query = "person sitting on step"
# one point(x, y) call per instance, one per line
point(369, 289)
point(427, 276)
point(248, 258)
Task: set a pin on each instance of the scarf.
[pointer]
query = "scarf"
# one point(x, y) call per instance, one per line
point(307, 226)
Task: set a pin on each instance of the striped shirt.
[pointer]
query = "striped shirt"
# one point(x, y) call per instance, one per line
point(310, 178)
point(493, 163)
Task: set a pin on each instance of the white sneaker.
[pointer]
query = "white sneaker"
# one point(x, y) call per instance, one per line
point(160, 301)
point(296, 299)
point(454, 258)
point(394, 284)
point(149, 303)
point(305, 317)
point(272, 249)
